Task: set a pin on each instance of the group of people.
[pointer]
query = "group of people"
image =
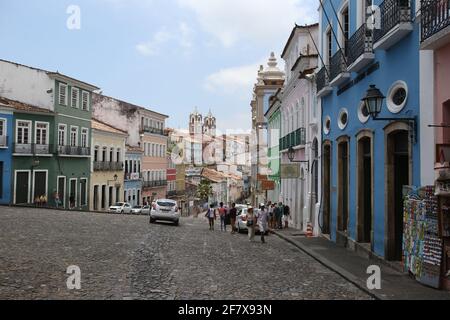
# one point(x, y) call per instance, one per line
point(267, 217)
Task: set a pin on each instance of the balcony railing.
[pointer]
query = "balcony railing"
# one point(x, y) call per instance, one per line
point(153, 130)
point(3, 141)
point(33, 148)
point(133, 176)
point(172, 193)
point(108, 166)
point(393, 12)
point(322, 79)
point(435, 16)
point(361, 42)
point(74, 151)
point(294, 139)
point(154, 184)
point(338, 64)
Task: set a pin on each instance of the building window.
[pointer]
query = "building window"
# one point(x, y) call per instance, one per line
point(397, 97)
point(83, 192)
point(85, 101)
point(363, 113)
point(343, 119)
point(23, 132)
point(118, 155)
point(41, 133)
point(62, 135)
point(84, 138)
point(329, 46)
point(327, 125)
point(96, 154)
point(73, 136)
point(63, 94)
point(345, 26)
point(2, 127)
point(75, 97)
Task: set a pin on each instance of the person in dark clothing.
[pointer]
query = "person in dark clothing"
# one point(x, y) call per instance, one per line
point(233, 216)
point(279, 215)
point(286, 216)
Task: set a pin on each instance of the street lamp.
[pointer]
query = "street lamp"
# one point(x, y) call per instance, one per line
point(291, 157)
point(115, 179)
point(374, 102)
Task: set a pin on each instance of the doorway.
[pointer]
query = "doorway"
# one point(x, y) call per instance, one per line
point(365, 189)
point(62, 191)
point(398, 176)
point(96, 198)
point(326, 189)
point(22, 192)
point(73, 193)
point(110, 196)
point(343, 180)
point(39, 184)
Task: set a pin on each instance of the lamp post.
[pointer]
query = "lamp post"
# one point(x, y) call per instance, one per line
point(291, 157)
point(374, 102)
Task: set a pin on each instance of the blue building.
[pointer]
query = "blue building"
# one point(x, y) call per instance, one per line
point(368, 158)
point(6, 134)
point(133, 176)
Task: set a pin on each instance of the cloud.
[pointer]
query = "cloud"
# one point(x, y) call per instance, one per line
point(232, 80)
point(182, 37)
point(153, 47)
point(259, 22)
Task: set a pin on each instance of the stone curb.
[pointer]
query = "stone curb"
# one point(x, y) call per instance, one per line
point(330, 265)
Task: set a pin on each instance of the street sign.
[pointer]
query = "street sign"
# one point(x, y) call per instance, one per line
point(290, 171)
point(267, 185)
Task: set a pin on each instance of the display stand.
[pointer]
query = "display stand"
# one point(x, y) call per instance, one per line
point(443, 192)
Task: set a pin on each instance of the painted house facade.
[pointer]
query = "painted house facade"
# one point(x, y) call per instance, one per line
point(367, 162)
point(133, 176)
point(51, 136)
point(6, 147)
point(273, 116)
point(107, 168)
point(300, 122)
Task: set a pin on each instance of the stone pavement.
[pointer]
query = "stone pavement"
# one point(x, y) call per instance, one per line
point(353, 267)
point(124, 257)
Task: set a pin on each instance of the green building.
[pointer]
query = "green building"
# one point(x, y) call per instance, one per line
point(52, 154)
point(273, 116)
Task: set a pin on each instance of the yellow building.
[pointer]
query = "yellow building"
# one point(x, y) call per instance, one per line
point(107, 170)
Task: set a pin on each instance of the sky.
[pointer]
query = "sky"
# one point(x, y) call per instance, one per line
point(166, 55)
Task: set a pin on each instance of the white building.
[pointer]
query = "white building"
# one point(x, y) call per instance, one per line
point(301, 128)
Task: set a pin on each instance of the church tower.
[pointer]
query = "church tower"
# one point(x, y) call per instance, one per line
point(195, 123)
point(209, 126)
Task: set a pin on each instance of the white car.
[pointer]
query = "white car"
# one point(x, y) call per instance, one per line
point(145, 210)
point(136, 210)
point(241, 222)
point(165, 210)
point(120, 207)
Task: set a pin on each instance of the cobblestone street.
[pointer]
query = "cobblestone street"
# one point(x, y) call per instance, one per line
point(123, 257)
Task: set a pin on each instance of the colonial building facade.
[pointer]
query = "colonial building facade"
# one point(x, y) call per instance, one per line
point(107, 169)
point(368, 159)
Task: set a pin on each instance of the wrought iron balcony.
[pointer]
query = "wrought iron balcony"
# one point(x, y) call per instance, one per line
point(293, 139)
point(154, 184)
point(3, 141)
point(33, 149)
point(322, 82)
point(393, 13)
point(172, 193)
point(147, 129)
point(338, 68)
point(108, 166)
point(74, 151)
point(435, 16)
point(360, 49)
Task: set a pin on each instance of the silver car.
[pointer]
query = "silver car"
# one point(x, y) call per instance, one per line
point(165, 210)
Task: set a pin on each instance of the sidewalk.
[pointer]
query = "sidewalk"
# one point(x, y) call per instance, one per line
point(353, 267)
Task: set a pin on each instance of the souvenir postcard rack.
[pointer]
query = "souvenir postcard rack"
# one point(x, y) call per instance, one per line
point(443, 193)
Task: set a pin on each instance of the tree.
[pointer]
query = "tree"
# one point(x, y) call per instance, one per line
point(204, 190)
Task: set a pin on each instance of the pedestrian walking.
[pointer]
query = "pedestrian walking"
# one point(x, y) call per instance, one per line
point(279, 216)
point(233, 216)
point(251, 224)
point(263, 217)
point(211, 215)
point(222, 214)
point(286, 216)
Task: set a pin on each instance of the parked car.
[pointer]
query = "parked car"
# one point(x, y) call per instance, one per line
point(120, 207)
point(241, 221)
point(145, 210)
point(137, 210)
point(165, 210)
